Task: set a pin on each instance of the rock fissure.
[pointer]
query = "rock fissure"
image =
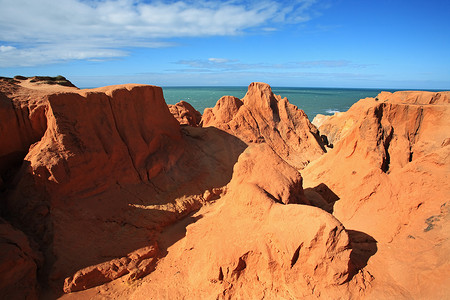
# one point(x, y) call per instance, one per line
point(296, 255)
point(123, 140)
point(387, 157)
point(417, 126)
point(256, 123)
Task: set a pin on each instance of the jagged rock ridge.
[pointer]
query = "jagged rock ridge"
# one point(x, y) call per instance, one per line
point(262, 116)
point(389, 167)
point(111, 190)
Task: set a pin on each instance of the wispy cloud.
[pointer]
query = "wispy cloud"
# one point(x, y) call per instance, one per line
point(229, 65)
point(46, 31)
point(7, 48)
point(218, 60)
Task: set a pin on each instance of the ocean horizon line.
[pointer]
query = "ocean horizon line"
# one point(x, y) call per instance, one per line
point(312, 100)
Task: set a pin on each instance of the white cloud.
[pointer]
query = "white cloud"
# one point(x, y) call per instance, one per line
point(45, 31)
point(214, 64)
point(6, 48)
point(218, 60)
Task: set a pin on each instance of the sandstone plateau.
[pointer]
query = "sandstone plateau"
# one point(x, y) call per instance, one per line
point(111, 193)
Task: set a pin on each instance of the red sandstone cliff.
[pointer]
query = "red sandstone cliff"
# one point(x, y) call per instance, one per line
point(115, 200)
point(252, 246)
point(185, 114)
point(390, 168)
point(111, 168)
point(262, 116)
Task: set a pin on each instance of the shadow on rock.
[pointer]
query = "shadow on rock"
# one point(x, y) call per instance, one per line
point(175, 232)
point(96, 233)
point(364, 246)
point(322, 196)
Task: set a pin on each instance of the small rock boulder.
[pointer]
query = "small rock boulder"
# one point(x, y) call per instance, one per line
point(185, 113)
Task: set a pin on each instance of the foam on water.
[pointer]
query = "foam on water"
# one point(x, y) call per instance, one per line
point(332, 111)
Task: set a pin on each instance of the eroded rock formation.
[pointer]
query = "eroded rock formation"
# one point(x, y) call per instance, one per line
point(110, 170)
point(185, 114)
point(252, 246)
point(262, 116)
point(136, 264)
point(390, 167)
point(23, 122)
point(19, 262)
point(114, 199)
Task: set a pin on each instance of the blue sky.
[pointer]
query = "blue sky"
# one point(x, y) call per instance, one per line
point(304, 43)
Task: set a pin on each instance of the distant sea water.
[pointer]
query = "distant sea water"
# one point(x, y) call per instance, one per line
point(313, 101)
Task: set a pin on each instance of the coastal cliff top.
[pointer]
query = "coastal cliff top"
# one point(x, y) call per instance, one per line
point(57, 84)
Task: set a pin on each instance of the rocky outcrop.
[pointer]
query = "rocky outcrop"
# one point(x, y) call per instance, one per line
point(48, 80)
point(111, 170)
point(185, 113)
point(45, 80)
point(253, 246)
point(18, 264)
point(415, 97)
point(23, 122)
point(335, 127)
point(262, 116)
point(90, 152)
point(136, 265)
point(389, 167)
point(106, 187)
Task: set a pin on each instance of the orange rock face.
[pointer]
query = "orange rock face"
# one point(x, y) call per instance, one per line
point(390, 167)
point(185, 114)
point(252, 246)
point(18, 264)
point(136, 264)
point(115, 199)
point(262, 116)
point(111, 170)
point(23, 122)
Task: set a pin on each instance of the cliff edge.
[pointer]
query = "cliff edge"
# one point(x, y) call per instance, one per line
point(389, 168)
point(105, 195)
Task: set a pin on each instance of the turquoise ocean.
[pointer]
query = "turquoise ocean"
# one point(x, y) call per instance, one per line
point(313, 101)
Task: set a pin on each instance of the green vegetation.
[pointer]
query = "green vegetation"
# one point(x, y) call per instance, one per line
point(8, 79)
point(60, 80)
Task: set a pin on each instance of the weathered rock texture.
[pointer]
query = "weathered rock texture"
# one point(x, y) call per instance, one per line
point(252, 246)
point(115, 200)
point(262, 116)
point(390, 168)
point(111, 168)
point(23, 122)
point(18, 264)
point(136, 264)
point(185, 114)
